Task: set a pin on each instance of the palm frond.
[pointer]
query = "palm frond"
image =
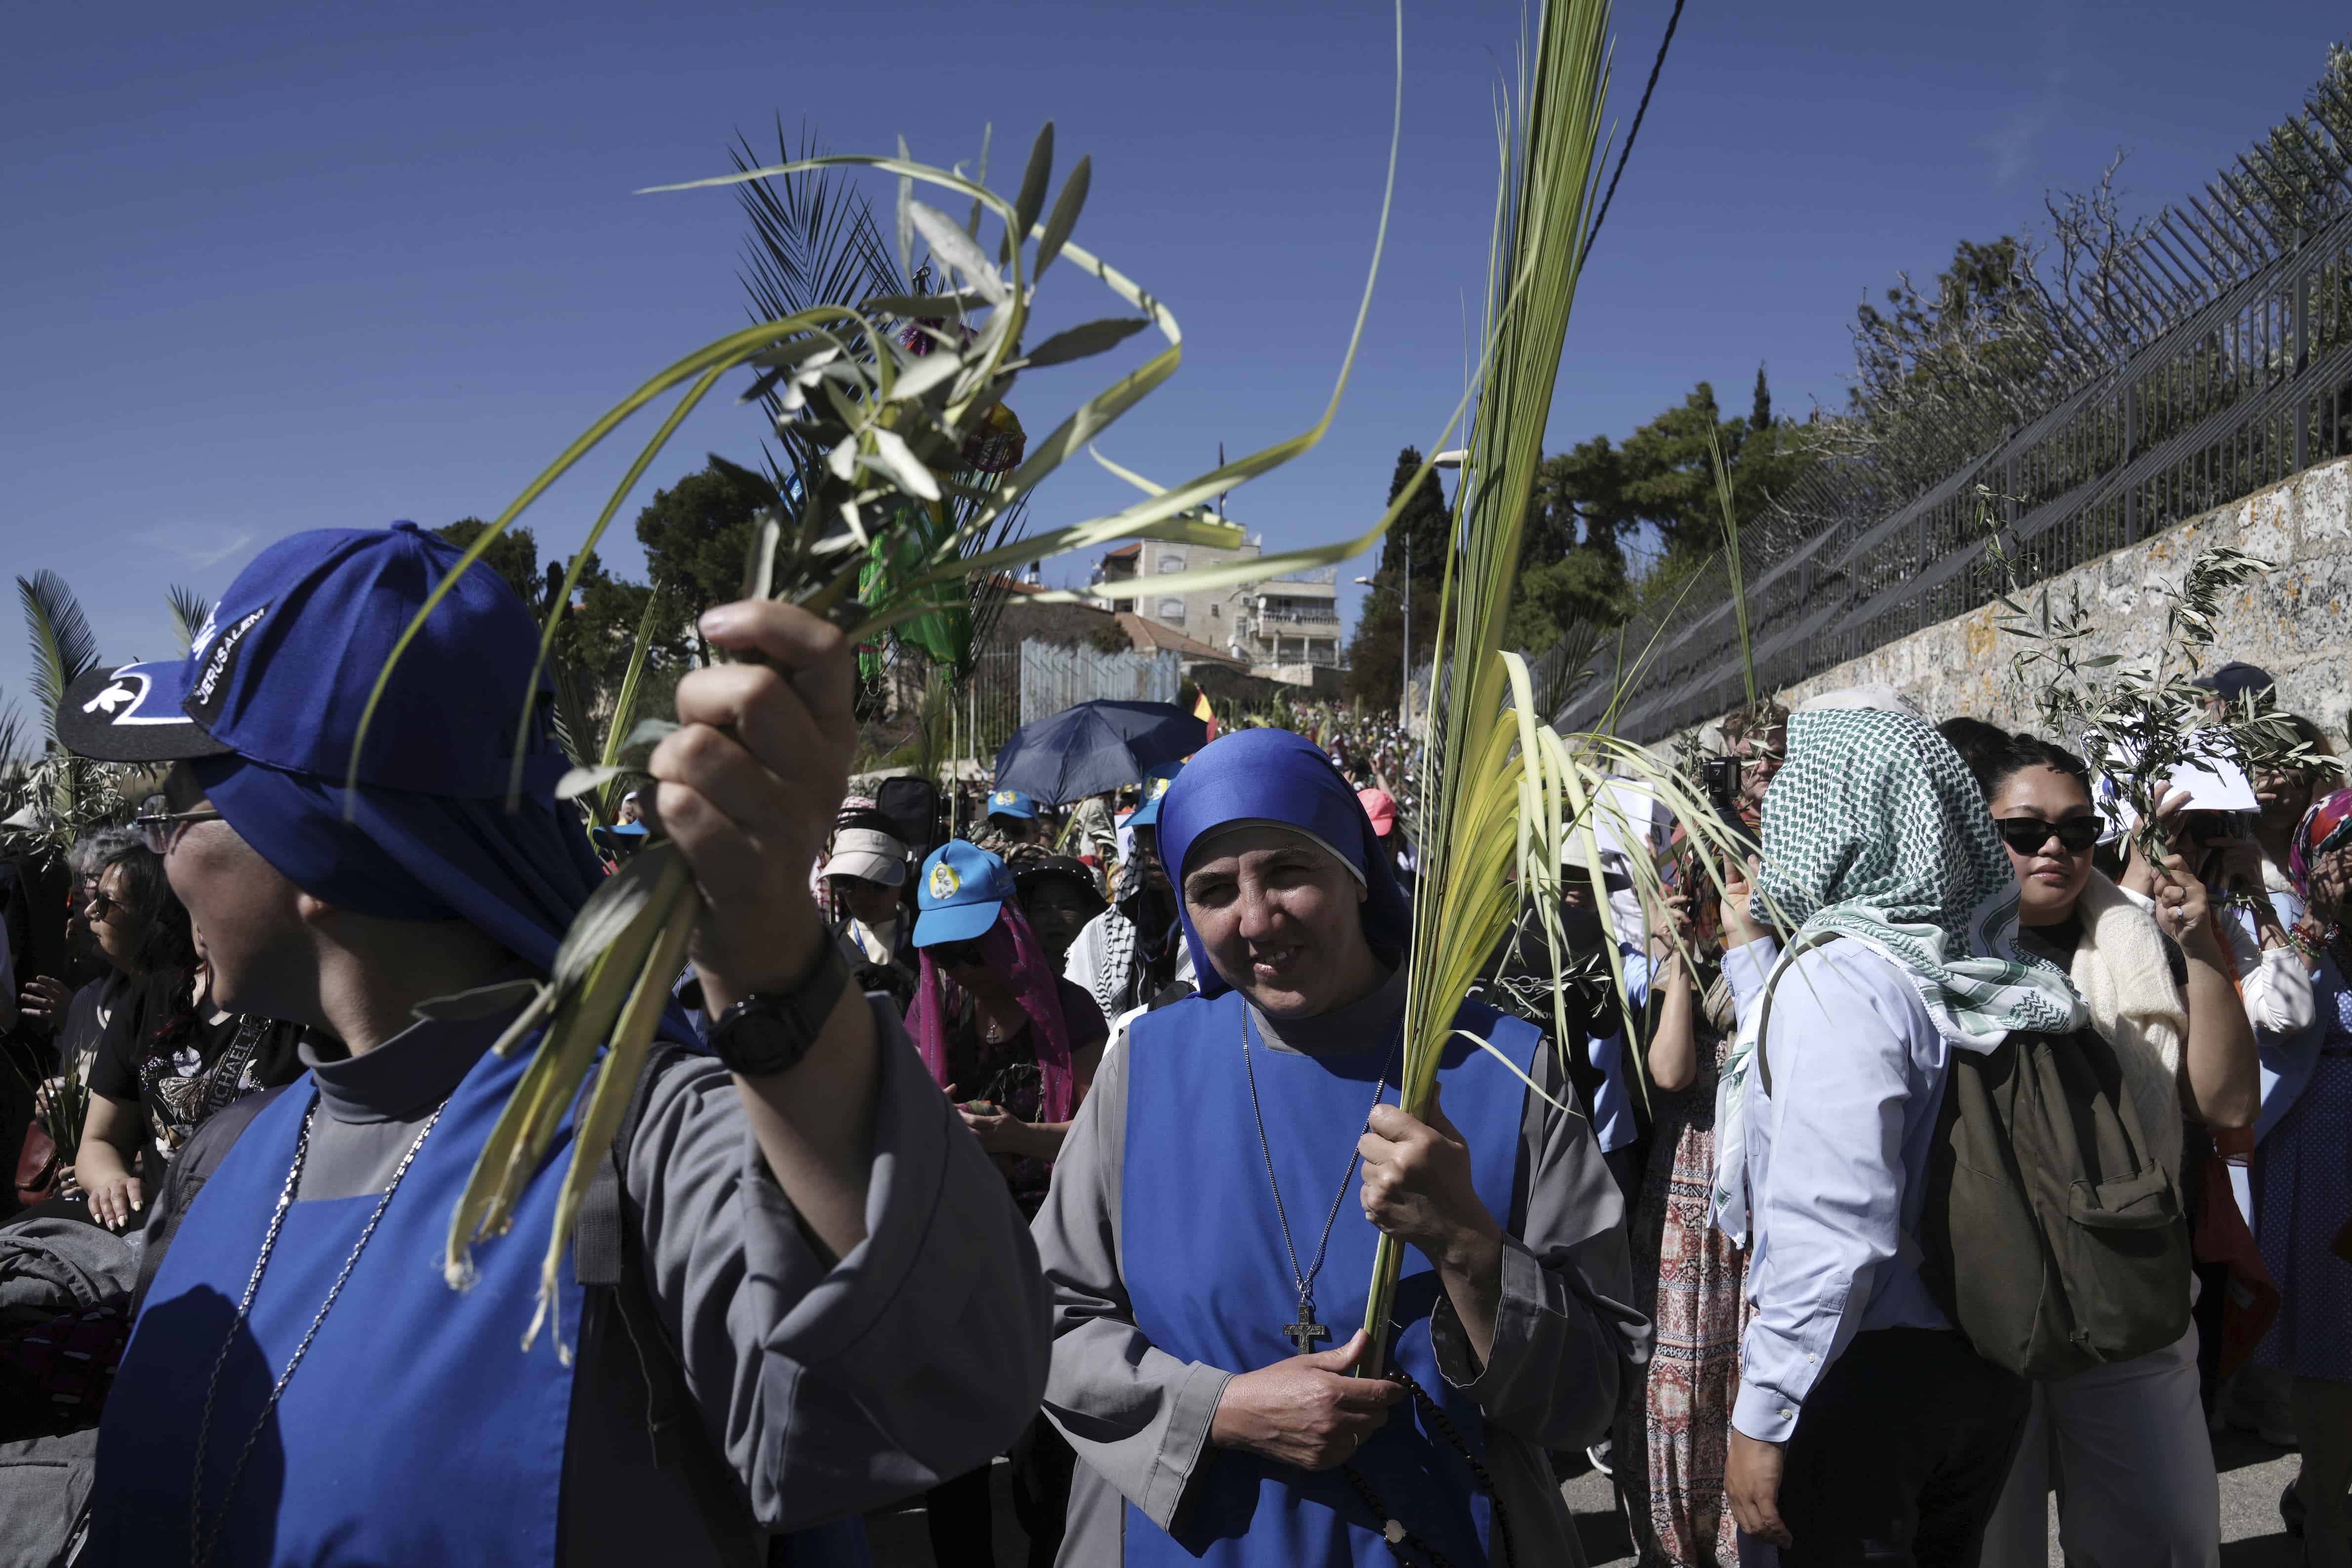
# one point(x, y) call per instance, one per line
point(189, 611)
point(1494, 790)
point(813, 237)
point(573, 728)
point(14, 754)
point(64, 648)
point(893, 426)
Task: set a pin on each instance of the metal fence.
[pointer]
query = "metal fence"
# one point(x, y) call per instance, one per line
point(1054, 678)
point(2238, 374)
point(1016, 684)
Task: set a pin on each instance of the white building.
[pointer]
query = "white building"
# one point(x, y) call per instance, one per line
point(1281, 627)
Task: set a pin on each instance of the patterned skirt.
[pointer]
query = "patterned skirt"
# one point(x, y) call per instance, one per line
point(1675, 1426)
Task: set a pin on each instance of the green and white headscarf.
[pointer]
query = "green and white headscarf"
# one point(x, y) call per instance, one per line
point(1875, 831)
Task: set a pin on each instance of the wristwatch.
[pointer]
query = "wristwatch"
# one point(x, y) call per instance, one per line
point(768, 1032)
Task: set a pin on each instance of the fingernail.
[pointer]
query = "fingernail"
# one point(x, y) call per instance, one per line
point(720, 620)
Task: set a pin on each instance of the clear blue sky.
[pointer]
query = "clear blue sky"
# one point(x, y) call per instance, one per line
point(278, 267)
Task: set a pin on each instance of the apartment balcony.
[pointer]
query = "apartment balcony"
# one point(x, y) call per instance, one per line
point(1322, 655)
point(1302, 622)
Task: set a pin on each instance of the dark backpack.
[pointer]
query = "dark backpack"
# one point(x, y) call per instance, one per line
point(2049, 1234)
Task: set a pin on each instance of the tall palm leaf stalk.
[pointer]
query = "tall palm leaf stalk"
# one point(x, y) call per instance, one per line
point(889, 429)
point(1502, 794)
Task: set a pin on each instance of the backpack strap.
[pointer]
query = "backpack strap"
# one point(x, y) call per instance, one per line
point(607, 1260)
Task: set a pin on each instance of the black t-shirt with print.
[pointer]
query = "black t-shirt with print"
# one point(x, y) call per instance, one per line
point(169, 1082)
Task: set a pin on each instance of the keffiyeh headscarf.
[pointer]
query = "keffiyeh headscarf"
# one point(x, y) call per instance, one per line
point(1875, 831)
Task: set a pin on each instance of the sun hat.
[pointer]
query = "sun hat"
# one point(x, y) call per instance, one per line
point(1012, 803)
point(865, 852)
point(1155, 785)
point(1029, 873)
point(963, 888)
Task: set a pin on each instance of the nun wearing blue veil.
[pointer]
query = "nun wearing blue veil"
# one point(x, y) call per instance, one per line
point(1210, 1233)
point(805, 1292)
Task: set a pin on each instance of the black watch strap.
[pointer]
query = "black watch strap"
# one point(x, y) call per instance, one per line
point(768, 1032)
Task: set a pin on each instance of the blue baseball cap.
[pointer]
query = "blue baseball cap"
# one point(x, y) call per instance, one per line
point(1155, 785)
point(963, 888)
point(281, 670)
point(1011, 803)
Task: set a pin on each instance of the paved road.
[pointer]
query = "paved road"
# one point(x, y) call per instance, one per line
point(2252, 1475)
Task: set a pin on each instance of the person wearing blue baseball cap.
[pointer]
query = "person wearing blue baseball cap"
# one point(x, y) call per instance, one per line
point(1016, 1048)
point(301, 1385)
point(1203, 1345)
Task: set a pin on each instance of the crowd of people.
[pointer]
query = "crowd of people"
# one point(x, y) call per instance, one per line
point(1957, 1150)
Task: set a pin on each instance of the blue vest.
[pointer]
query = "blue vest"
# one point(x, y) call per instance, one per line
point(1209, 1279)
point(416, 1430)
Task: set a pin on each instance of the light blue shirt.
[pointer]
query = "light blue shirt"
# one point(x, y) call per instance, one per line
point(1837, 1171)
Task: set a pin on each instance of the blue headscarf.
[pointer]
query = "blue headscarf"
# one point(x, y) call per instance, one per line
point(518, 875)
point(1274, 776)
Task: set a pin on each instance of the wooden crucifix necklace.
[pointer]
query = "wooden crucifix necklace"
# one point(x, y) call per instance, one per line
point(1303, 1333)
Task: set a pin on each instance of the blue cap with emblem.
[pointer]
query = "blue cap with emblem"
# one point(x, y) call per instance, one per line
point(264, 707)
point(281, 670)
point(1012, 803)
point(1155, 785)
point(963, 888)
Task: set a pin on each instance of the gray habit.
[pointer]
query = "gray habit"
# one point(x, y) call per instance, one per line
point(1140, 1418)
point(829, 1388)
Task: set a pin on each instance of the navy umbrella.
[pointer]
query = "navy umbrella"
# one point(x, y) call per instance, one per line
point(1096, 747)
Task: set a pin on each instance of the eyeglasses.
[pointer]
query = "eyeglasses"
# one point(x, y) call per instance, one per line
point(157, 829)
point(102, 907)
point(2028, 834)
point(968, 954)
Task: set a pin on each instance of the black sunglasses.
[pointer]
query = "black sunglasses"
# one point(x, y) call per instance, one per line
point(2028, 834)
point(960, 955)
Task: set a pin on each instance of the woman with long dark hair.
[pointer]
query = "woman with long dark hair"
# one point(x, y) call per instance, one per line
point(142, 1107)
point(2125, 1445)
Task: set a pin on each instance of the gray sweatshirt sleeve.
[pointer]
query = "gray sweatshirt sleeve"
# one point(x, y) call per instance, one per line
point(916, 1358)
point(1138, 1417)
point(1567, 1328)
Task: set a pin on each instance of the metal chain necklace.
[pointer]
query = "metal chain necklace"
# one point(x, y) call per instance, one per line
point(1396, 1536)
point(1306, 1331)
point(202, 1542)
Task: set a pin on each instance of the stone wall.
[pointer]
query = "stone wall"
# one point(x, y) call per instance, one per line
point(2294, 622)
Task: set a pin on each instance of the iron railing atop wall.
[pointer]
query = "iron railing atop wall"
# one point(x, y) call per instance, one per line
point(2238, 375)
